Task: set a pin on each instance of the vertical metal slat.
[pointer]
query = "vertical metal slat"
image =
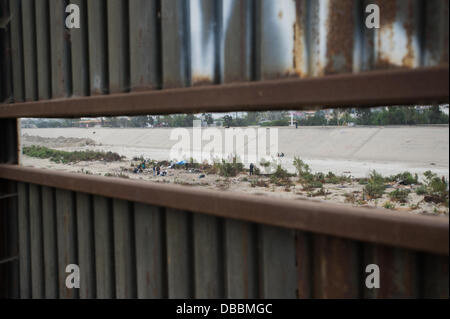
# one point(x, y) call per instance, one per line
point(24, 241)
point(36, 235)
point(66, 236)
point(50, 243)
point(124, 256)
point(86, 256)
point(150, 253)
point(179, 254)
point(144, 45)
point(277, 262)
point(104, 249)
point(43, 49)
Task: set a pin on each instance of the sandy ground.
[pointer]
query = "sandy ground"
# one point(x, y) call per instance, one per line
point(136, 142)
point(349, 193)
point(342, 150)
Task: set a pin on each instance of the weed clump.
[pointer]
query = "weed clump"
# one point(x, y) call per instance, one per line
point(435, 189)
point(280, 177)
point(399, 195)
point(65, 157)
point(227, 169)
point(375, 186)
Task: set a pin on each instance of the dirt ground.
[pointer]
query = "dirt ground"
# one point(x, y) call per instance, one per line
point(350, 193)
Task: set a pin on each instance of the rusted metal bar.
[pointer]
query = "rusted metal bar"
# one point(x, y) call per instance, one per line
point(428, 233)
point(391, 87)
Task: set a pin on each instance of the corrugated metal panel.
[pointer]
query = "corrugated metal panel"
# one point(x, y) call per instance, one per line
point(208, 253)
point(436, 32)
point(60, 51)
point(399, 271)
point(175, 43)
point(278, 273)
point(50, 243)
point(17, 50)
point(104, 248)
point(66, 232)
point(336, 268)
point(435, 277)
point(29, 49)
point(205, 22)
point(36, 238)
point(144, 45)
point(241, 260)
point(6, 81)
point(304, 262)
point(281, 39)
point(79, 53)
point(150, 251)
point(98, 47)
point(124, 255)
point(397, 42)
point(43, 49)
point(238, 41)
point(86, 247)
point(179, 254)
point(118, 50)
point(24, 241)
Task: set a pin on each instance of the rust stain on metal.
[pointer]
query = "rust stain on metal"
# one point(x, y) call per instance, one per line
point(388, 13)
point(408, 59)
point(299, 58)
point(340, 24)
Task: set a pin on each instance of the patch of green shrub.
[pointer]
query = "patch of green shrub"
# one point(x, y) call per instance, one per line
point(375, 186)
point(65, 157)
point(280, 177)
point(399, 195)
point(227, 169)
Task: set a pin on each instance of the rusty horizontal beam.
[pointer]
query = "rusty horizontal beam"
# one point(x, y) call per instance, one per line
point(376, 88)
point(419, 232)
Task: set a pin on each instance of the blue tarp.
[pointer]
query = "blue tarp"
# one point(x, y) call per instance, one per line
point(181, 162)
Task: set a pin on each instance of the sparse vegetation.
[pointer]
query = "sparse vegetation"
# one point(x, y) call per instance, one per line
point(280, 177)
point(65, 157)
point(405, 178)
point(436, 189)
point(399, 195)
point(389, 205)
point(227, 169)
point(375, 186)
